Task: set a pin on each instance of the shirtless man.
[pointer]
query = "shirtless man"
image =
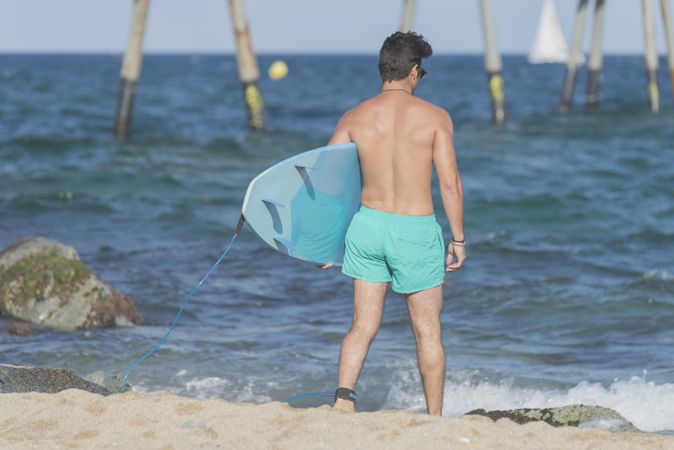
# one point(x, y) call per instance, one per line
point(394, 236)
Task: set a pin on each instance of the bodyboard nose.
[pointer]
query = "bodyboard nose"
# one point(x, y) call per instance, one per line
point(306, 216)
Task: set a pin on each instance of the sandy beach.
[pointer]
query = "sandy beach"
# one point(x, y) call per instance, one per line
point(76, 419)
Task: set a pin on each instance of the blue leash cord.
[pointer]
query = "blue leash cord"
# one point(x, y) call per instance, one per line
point(162, 341)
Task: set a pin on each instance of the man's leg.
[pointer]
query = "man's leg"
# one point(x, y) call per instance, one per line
point(424, 308)
point(368, 308)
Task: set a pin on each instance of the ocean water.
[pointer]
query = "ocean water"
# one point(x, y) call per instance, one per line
point(568, 295)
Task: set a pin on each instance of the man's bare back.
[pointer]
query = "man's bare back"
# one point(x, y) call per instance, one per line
point(395, 133)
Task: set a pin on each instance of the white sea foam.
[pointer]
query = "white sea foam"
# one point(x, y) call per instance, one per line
point(222, 388)
point(247, 394)
point(207, 387)
point(658, 274)
point(649, 406)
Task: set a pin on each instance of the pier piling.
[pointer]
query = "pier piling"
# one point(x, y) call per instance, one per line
point(669, 37)
point(574, 57)
point(408, 15)
point(650, 56)
point(493, 65)
point(249, 73)
point(594, 66)
point(130, 73)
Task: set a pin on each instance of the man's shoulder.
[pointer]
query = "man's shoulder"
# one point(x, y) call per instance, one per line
point(436, 110)
point(364, 105)
point(434, 115)
point(360, 110)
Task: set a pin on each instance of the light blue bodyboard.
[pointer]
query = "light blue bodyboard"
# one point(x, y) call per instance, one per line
point(303, 205)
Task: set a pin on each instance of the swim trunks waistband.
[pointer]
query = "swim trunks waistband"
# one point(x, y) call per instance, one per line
point(396, 217)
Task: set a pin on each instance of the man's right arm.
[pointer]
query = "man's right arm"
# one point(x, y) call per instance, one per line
point(451, 188)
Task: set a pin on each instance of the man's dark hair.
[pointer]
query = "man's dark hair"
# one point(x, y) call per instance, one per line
point(400, 52)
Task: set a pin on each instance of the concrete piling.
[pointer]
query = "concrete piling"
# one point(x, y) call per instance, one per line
point(493, 64)
point(650, 56)
point(669, 37)
point(408, 15)
point(594, 66)
point(130, 73)
point(249, 73)
point(574, 57)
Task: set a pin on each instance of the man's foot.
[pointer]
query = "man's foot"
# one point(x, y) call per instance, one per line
point(344, 405)
point(345, 399)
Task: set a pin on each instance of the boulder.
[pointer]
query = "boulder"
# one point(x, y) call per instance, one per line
point(17, 328)
point(41, 379)
point(44, 282)
point(582, 416)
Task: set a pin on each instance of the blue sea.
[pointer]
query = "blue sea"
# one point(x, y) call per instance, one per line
point(568, 295)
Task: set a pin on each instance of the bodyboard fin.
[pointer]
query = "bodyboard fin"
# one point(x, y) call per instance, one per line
point(284, 245)
point(304, 173)
point(272, 207)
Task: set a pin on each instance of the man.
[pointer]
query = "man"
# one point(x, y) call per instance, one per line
point(394, 236)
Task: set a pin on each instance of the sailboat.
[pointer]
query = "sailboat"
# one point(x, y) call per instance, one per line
point(549, 44)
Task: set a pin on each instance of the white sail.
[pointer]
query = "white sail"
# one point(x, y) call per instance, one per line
point(549, 45)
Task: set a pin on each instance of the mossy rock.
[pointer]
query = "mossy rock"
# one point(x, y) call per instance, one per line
point(45, 283)
point(583, 416)
point(41, 379)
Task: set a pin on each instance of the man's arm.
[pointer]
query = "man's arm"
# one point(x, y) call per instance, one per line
point(451, 188)
point(341, 134)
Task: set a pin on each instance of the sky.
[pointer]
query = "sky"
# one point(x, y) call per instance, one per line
point(298, 26)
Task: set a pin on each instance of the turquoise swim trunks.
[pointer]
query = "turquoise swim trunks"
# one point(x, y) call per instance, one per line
point(383, 247)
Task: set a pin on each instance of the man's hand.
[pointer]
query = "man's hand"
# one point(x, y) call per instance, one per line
point(324, 266)
point(458, 252)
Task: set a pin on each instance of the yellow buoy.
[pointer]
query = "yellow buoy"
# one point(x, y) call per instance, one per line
point(278, 70)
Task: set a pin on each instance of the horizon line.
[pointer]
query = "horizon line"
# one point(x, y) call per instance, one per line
point(270, 53)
